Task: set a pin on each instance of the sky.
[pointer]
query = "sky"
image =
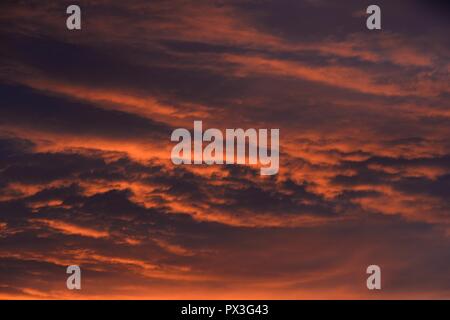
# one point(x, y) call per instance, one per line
point(86, 176)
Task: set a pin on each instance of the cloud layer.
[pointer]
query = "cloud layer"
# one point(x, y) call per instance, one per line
point(85, 174)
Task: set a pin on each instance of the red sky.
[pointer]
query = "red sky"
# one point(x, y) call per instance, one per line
point(85, 170)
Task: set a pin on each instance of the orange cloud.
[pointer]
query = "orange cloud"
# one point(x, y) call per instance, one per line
point(68, 228)
point(332, 75)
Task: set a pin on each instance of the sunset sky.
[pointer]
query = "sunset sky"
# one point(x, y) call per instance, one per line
point(86, 176)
